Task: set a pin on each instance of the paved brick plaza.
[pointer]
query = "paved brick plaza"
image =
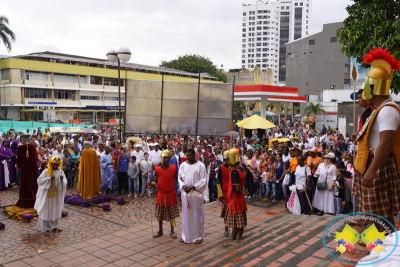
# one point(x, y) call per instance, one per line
point(122, 237)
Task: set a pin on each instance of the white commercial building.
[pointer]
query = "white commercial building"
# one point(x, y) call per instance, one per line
point(267, 27)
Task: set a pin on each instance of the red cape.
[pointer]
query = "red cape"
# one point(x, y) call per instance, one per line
point(28, 178)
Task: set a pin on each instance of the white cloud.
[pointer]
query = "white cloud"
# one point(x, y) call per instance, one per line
point(153, 30)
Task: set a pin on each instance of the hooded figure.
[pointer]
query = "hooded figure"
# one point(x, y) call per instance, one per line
point(7, 169)
point(89, 180)
point(50, 195)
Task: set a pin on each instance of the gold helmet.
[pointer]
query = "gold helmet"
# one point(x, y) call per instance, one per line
point(165, 154)
point(379, 78)
point(234, 156)
point(226, 154)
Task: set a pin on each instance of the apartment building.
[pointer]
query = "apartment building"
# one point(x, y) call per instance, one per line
point(267, 27)
point(49, 86)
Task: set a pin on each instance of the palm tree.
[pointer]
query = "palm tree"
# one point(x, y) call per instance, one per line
point(271, 106)
point(314, 109)
point(296, 109)
point(6, 34)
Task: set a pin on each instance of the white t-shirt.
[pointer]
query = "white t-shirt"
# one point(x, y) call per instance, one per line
point(139, 156)
point(155, 157)
point(286, 158)
point(388, 119)
point(311, 141)
point(301, 178)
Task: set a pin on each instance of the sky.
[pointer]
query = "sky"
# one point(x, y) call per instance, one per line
point(153, 30)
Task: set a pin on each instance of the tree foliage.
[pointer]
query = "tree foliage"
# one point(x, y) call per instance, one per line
point(239, 108)
point(271, 106)
point(370, 24)
point(7, 36)
point(314, 109)
point(194, 64)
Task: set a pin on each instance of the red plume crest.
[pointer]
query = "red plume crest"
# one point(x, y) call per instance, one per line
point(379, 53)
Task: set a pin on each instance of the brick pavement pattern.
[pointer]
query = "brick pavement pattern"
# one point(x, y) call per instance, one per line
point(122, 237)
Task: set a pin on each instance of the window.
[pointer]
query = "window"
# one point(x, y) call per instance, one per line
point(37, 76)
point(87, 116)
point(244, 24)
point(243, 35)
point(244, 45)
point(243, 61)
point(301, 4)
point(347, 68)
point(333, 39)
point(95, 80)
point(65, 78)
point(111, 98)
point(296, 4)
point(37, 93)
point(5, 74)
point(252, 13)
point(282, 7)
point(287, 7)
point(65, 94)
point(90, 97)
point(243, 56)
point(243, 40)
point(112, 81)
point(311, 42)
point(244, 13)
point(244, 30)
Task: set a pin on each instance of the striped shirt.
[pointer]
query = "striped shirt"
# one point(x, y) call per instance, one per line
point(123, 163)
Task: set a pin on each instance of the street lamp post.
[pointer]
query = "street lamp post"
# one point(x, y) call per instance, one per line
point(123, 54)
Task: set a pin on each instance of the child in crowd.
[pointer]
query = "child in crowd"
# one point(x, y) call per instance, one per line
point(338, 191)
point(348, 182)
point(133, 173)
point(146, 166)
point(264, 178)
point(286, 179)
point(271, 180)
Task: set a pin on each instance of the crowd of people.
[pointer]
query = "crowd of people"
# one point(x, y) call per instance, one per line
point(271, 166)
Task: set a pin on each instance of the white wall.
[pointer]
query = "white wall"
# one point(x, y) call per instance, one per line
point(343, 95)
point(13, 113)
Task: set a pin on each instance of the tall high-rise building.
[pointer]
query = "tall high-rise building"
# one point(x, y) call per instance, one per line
point(267, 27)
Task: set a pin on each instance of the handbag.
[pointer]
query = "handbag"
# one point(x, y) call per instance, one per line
point(323, 185)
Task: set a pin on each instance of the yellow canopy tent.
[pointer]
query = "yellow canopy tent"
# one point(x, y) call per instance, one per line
point(255, 122)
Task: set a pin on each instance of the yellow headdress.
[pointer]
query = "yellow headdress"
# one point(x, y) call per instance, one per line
point(226, 154)
point(379, 78)
point(55, 159)
point(164, 154)
point(234, 156)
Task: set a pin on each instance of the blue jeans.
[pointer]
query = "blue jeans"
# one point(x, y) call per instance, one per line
point(133, 185)
point(338, 205)
point(116, 184)
point(212, 187)
point(268, 193)
point(145, 180)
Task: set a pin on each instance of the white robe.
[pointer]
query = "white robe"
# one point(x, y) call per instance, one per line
point(49, 208)
point(192, 217)
point(324, 200)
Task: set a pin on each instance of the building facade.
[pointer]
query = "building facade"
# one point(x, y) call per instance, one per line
point(315, 63)
point(53, 86)
point(267, 27)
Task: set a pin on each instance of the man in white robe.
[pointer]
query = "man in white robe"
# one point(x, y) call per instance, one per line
point(192, 180)
point(49, 203)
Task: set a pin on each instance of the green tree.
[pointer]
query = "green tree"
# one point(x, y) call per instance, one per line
point(239, 108)
point(6, 34)
point(195, 64)
point(296, 109)
point(314, 109)
point(271, 106)
point(370, 24)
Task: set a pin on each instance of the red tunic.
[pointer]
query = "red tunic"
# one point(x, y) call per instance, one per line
point(225, 182)
point(166, 186)
point(237, 203)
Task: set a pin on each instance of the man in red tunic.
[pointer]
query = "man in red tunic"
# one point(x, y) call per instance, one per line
point(166, 204)
point(222, 186)
point(236, 216)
